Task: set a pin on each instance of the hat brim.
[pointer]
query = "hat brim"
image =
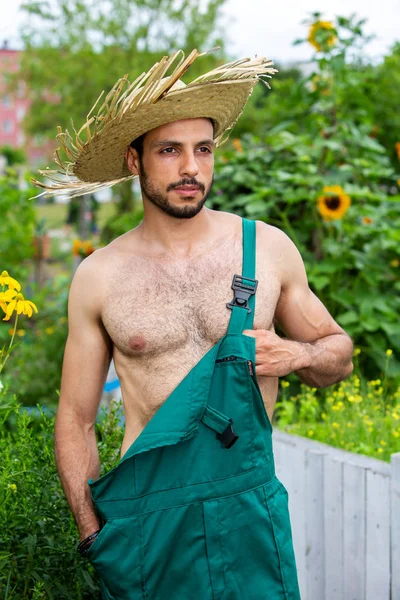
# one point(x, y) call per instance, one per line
point(102, 159)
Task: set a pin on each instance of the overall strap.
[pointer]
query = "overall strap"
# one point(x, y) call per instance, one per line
point(244, 287)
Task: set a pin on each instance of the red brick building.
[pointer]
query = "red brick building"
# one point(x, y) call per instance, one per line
point(13, 107)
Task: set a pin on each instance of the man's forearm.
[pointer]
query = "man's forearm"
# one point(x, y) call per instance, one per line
point(77, 461)
point(325, 361)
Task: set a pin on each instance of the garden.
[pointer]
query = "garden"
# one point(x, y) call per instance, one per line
point(317, 156)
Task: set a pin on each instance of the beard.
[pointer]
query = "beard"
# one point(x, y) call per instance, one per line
point(160, 199)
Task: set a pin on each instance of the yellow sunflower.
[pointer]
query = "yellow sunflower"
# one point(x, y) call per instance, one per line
point(20, 305)
point(322, 33)
point(5, 279)
point(334, 203)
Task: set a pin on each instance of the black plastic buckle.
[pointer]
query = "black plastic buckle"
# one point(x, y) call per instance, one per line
point(228, 437)
point(242, 292)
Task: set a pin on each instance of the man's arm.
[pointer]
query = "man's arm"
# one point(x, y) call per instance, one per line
point(317, 348)
point(86, 360)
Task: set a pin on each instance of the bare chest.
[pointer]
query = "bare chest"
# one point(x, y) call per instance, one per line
point(155, 306)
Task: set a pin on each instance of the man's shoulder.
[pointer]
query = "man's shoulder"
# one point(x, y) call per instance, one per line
point(272, 238)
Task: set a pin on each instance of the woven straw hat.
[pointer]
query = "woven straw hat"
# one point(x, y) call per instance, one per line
point(96, 153)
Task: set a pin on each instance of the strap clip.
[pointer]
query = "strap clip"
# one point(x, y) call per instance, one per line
point(228, 437)
point(243, 289)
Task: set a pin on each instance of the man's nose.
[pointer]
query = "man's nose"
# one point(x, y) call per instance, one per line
point(189, 165)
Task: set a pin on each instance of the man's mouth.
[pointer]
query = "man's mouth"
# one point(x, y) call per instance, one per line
point(187, 190)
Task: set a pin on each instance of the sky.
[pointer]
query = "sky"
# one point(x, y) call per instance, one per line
point(268, 28)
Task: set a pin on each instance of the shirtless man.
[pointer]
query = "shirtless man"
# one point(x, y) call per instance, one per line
point(155, 300)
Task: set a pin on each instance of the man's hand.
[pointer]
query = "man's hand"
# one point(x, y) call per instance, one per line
point(276, 357)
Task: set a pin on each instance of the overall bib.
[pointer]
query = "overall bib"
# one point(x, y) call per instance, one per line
point(194, 511)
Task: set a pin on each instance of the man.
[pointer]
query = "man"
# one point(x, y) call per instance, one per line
point(193, 509)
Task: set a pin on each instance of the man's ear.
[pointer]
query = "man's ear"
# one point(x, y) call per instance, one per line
point(132, 160)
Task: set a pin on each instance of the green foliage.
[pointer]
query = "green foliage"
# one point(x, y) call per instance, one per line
point(356, 415)
point(98, 43)
point(34, 371)
point(38, 537)
point(14, 156)
point(352, 261)
point(17, 223)
point(120, 224)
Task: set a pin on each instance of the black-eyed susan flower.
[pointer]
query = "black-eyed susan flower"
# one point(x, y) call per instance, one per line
point(13, 284)
point(20, 306)
point(334, 203)
point(322, 33)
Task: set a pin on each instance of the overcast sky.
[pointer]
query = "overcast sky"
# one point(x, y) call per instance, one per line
point(268, 27)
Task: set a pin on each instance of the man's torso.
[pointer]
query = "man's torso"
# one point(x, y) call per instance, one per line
point(163, 314)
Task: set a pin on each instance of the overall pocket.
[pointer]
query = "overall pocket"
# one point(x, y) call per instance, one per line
point(276, 500)
point(116, 556)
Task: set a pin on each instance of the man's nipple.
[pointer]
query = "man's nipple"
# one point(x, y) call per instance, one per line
point(137, 343)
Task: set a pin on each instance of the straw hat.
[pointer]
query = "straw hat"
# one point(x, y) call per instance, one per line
point(96, 153)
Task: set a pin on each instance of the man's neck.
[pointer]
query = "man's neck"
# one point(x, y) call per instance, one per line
point(179, 237)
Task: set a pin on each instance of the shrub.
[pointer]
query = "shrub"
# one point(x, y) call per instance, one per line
point(38, 537)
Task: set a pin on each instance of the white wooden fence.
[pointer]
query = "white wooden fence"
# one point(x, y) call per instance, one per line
point(345, 513)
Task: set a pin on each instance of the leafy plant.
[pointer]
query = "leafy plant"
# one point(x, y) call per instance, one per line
point(356, 415)
point(38, 537)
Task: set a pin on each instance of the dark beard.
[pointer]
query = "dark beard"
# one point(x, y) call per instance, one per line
point(159, 199)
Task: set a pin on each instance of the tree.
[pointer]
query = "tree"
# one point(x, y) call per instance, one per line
point(74, 49)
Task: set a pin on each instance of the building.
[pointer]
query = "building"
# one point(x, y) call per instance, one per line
point(13, 108)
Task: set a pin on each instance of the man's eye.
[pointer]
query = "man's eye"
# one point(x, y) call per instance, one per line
point(204, 149)
point(167, 150)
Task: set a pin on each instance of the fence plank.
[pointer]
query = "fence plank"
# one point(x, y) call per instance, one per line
point(333, 518)
point(395, 526)
point(377, 584)
point(354, 532)
point(315, 542)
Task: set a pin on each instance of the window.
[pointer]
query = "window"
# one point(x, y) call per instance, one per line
point(7, 126)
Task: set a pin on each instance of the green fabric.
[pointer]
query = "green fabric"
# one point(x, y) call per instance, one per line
point(185, 517)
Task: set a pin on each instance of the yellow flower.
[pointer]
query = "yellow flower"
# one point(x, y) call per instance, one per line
point(357, 351)
point(389, 352)
point(367, 220)
point(334, 203)
point(49, 330)
point(310, 432)
point(395, 262)
point(13, 284)
point(380, 450)
point(335, 425)
point(20, 305)
point(82, 248)
point(12, 486)
point(383, 443)
point(237, 144)
point(285, 384)
point(395, 416)
point(396, 433)
point(329, 38)
point(21, 332)
point(5, 297)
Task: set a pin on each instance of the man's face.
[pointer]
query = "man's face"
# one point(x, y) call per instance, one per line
point(176, 167)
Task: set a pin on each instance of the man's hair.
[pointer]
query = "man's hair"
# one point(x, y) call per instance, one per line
point(137, 144)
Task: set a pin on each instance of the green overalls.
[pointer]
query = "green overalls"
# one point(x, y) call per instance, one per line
point(194, 511)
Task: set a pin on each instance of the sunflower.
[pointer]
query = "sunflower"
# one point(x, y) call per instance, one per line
point(334, 203)
point(322, 33)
